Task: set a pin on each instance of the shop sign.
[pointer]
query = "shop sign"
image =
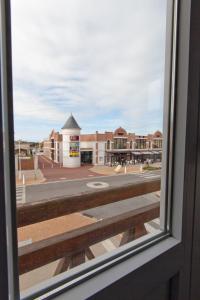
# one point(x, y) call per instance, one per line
point(74, 138)
point(74, 149)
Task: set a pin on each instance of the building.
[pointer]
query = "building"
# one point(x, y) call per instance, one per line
point(52, 147)
point(24, 148)
point(71, 148)
point(71, 143)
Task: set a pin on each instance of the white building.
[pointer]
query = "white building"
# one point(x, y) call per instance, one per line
point(71, 144)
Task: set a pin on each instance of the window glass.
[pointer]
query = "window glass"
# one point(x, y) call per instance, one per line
point(88, 84)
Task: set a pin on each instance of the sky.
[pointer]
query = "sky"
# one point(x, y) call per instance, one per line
point(101, 60)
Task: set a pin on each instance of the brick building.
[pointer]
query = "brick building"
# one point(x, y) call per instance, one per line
point(102, 148)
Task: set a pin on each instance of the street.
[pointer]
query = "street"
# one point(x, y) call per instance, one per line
point(67, 188)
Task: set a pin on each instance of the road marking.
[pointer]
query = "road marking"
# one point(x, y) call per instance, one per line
point(63, 178)
point(148, 175)
point(20, 194)
point(151, 176)
point(97, 184)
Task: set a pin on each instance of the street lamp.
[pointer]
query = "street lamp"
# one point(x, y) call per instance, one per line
point(20, 165)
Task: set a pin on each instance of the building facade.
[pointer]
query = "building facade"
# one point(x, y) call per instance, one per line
point(52, 147)
point(71, 148)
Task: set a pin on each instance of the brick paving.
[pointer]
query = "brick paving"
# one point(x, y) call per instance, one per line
point(54, 172)
point(49, 228)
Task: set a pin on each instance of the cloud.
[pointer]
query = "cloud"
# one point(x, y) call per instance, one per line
point(28, 105)
point(102, 60)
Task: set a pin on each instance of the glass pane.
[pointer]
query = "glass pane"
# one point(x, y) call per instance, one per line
point(88, 80)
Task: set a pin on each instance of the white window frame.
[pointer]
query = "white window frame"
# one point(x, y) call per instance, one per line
point(131, 269)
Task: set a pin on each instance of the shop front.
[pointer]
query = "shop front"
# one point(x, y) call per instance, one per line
point(114, 157)
point(118, 157)
point(142, 156)
point(86, 157)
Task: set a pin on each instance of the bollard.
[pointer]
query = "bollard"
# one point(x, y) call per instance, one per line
point(23, 180)
point(125, 171)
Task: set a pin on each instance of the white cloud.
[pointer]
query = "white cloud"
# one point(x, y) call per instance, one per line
point(28, 106)
point(89, 57)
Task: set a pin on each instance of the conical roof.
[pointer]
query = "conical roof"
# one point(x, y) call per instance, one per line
point(71, 123)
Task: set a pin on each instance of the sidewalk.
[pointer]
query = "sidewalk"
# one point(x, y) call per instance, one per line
point(30, 176)
point(105, 170)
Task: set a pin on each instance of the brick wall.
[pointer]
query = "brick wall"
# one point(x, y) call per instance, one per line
point(27, 164)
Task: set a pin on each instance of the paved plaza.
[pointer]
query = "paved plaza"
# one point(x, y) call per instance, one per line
point(50, 171)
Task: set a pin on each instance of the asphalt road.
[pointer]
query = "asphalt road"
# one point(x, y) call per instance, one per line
point(67, 188)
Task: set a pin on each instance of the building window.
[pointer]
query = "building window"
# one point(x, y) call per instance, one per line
point(157, 143)
point(141, 144)
point(108, 145)
point(120, 143)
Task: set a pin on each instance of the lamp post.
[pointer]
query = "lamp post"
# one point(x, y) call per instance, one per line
point(20, 165)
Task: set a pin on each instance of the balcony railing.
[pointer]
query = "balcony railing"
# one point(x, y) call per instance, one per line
point(73, 247)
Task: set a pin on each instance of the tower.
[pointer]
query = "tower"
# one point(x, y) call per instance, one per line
point(71, 143)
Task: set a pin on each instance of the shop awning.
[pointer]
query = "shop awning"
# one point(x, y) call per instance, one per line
point(137, 153)
point(147, 152)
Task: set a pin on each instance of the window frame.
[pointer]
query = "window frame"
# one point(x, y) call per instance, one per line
point(183, 185)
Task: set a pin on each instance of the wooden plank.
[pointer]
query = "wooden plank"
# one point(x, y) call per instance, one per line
point(127, 236)
point(34, 212)
point(73, 261)
point(62, 266)
point(89, 254)
point(77, 259)
point(139, 231)
point(133, 233)
point(67, 244)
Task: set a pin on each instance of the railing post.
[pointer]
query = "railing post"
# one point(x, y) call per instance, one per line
point(77, 259)
point(69, 262)
point(62, 266)
point(133, 233)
